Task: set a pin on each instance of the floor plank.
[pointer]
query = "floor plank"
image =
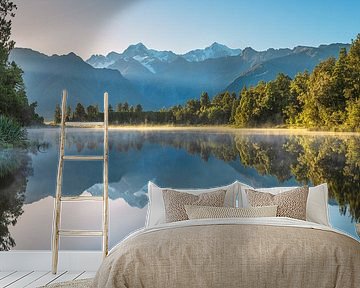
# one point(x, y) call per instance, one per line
point(68, 276)
point(47, 278)
point(5, 282)
point(28, 279)
point(87, 274)
point(5, 274)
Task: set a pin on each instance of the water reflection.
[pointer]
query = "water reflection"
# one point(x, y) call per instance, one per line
point(308, 159)
point(14, 169)
point(175, 159)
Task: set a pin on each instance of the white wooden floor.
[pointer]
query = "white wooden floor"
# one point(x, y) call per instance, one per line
point(32, 279)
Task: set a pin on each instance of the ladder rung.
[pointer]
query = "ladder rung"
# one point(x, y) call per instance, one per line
point(80, 233)
point(83, 124)
point(76, 157)
point(81, 198)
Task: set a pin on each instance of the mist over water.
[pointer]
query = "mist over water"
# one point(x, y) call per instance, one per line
point(178, 159)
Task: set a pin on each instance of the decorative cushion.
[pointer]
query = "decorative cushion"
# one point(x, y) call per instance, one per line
point(317, 203)
point(156, 209)
point(290, 203)
point(201, 212)
point(175, 201)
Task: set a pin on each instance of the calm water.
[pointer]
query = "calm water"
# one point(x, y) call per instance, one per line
point(174, 159)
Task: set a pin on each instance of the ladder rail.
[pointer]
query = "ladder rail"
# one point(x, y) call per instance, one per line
point(57, 208)
point(105, 179)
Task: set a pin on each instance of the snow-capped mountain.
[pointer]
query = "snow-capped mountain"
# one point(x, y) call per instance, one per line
point(149, 58)
point(215, 50)
point(152, 59)
point(101, 61)
point(98, 61)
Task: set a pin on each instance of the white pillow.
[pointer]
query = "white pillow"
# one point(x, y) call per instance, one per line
point(156, 209)
point(317, 202)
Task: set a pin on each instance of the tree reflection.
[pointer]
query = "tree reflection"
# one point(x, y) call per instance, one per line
point(266, 155)
point(15, 167)
point(335, 161)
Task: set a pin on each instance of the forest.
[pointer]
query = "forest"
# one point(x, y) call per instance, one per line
point(326, 99)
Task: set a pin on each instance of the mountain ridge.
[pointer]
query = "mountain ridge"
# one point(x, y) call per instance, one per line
point(46, 76)
point(156, 79)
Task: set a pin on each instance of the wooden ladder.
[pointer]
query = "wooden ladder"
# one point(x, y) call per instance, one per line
point(57, 231)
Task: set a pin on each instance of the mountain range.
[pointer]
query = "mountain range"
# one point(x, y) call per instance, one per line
point(157, 79)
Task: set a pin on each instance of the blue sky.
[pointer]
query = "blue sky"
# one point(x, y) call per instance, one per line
point(94, 26)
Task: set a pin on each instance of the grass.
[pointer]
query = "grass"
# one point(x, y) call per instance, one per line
point(11, 133)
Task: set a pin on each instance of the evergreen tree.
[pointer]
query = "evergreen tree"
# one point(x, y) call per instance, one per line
point(68, 113)
point(352, 89)
point(14, 102)
point(244, 112)
point(125, 107)
point(119, 107)
point(57, 114)
point(80, 113)
point(298, 94)
point(7, 11)
point(353, 115)
point(234, 107)
point(92, 112)
point(138, 108)
point(204, 100)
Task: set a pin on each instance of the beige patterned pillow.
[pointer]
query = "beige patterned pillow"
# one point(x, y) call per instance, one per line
point(290, 203)
point(201, 212)
point(175, 201)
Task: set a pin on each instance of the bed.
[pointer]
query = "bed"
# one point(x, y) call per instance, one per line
point(233, 252)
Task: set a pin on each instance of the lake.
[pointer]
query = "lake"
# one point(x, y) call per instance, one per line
point(178, 159)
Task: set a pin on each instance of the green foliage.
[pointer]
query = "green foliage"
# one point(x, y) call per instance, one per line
point(79, 114)
point(14, 102)
point(11, 133)
point(353, 112)
point(326, 98)
point(7, 9)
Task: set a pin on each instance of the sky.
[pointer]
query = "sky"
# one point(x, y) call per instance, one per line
point(89, 27)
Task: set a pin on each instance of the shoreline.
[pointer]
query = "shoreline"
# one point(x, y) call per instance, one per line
point(216, 128)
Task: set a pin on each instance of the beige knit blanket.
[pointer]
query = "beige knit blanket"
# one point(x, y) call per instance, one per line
point(233, 255)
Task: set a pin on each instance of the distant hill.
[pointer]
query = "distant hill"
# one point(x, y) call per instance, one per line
point(46, 76)
point(301, 59)
point(158, 79)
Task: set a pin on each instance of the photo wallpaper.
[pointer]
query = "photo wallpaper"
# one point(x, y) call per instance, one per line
point(202, 93)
